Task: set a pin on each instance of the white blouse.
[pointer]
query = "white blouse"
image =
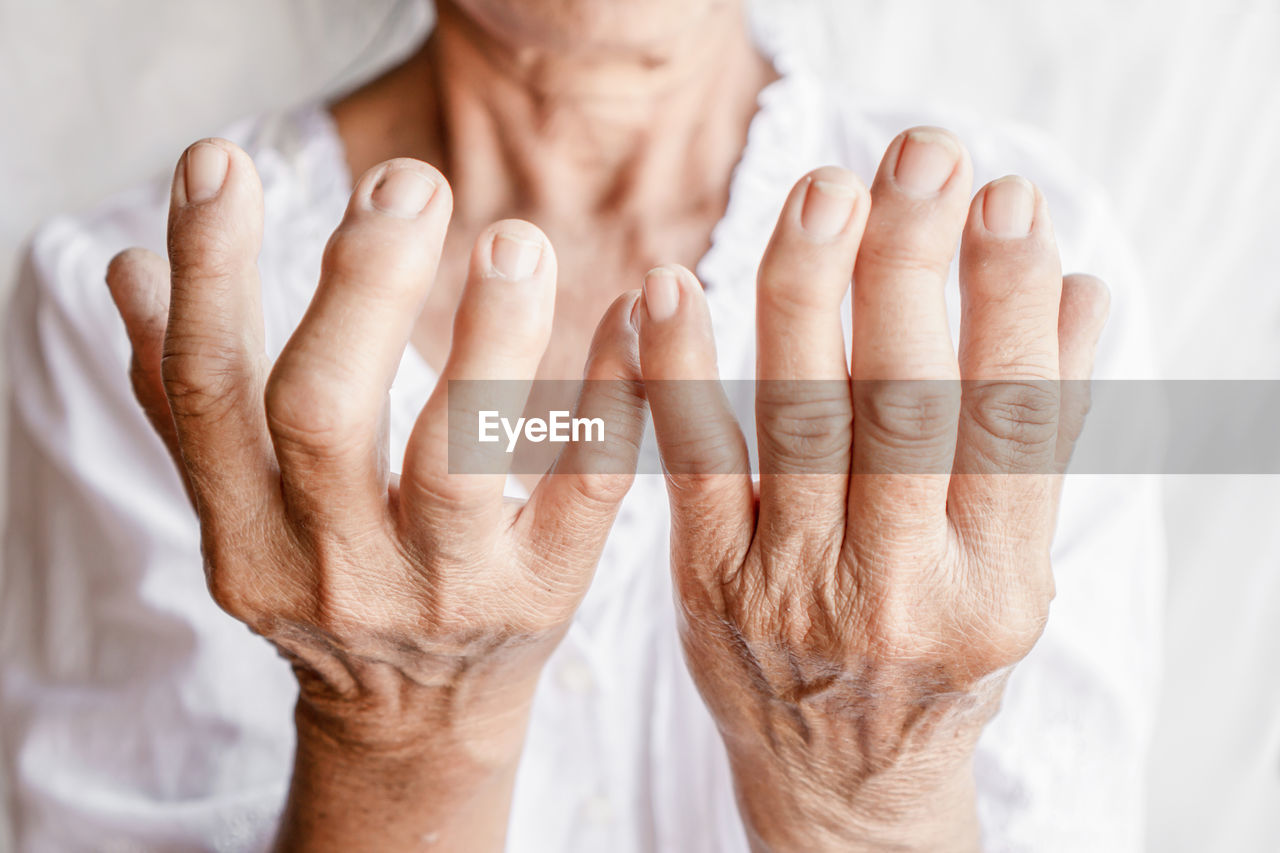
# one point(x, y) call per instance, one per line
point(135, 715)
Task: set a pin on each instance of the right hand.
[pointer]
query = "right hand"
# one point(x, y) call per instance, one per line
point(420, 604)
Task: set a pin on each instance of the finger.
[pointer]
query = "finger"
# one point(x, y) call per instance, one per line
point(570, 513)
point(1082, 315)
point(906, 399)
point(803, 408)
point(325, 398)
point(500, 332)
point(804, 276)
point(139, 284)
point(214, 362)
point(1011, 287)
point(703, 450)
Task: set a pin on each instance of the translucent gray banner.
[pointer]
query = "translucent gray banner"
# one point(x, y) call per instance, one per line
point(887, 427)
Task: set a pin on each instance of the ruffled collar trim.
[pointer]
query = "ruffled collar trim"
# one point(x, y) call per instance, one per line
point(784, 140)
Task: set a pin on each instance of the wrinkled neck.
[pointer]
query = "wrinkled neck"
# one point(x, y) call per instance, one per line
point(586, 130)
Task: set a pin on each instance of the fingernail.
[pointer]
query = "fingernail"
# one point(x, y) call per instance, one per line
point(205, 171)
point(1008, 207)
point(925, 162)
point(827, 208)
point(635, 314)
point(514, 257)
point(661, 294)
point(402, 192)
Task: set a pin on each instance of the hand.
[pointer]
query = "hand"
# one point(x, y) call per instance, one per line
point(851, 625)
point(417, 610)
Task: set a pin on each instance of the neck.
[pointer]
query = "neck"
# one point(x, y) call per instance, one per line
point(566, 131)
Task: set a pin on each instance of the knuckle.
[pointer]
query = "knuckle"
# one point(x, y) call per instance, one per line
point(1021, 416)
point(1018, 635)
point(966, 642)
point(806, 420)
point(202, 377)
point(1077, 402)
point(621, 398)
point(302, 413)
point(616, 451)
point(235, 599)
point(598, 492)
point(378, 255)
point(908, 413)
point(1010, 633)
point(145, 380)
point(1006, 612)
point(231, 584)
point(703, 458)
point(901, 253)
point(243, 557)
point(795, 290)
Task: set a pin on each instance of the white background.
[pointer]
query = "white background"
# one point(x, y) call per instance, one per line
point(1174, 105)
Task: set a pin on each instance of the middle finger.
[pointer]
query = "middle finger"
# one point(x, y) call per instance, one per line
point(906, 397)
point(327, 392)
point(803, 410)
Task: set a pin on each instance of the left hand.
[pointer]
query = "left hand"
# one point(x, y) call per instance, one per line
point(851, 625)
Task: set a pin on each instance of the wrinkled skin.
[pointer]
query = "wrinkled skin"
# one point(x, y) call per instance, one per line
point(417, 609)
point(852, 633)
point(850, 622)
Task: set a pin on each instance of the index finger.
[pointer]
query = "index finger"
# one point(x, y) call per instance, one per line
point(214, 361)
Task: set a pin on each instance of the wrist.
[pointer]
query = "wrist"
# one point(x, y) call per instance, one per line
point(478, 723)
point(366, 697)
point(401, 772)
point(913, 806)
point(882, 770)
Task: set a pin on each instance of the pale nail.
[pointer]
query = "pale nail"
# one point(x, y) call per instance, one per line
point(402, 192)
point(1009, 206)
point(514, 257)
point(205, 171)
point(634, 317)
point(661, 294)
point(827, 208)
point(925, 162)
